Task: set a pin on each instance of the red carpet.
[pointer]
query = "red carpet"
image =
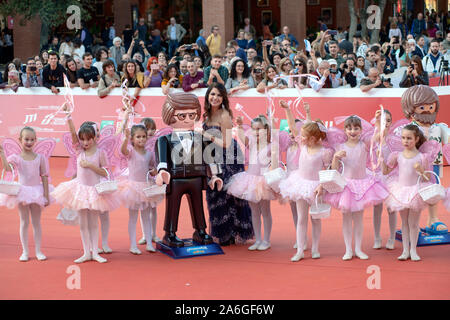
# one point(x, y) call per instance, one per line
point(239, 274)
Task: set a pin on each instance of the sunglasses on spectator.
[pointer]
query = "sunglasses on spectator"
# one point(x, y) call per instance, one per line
point(286, 64)
point(182, 116)
point(298, 64)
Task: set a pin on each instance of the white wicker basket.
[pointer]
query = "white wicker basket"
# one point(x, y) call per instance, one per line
point(10, 188)
point(154, 190)
point(332, 180)
point(319, 210)
point(106, 187)
point(273, 177)
point(434, 193)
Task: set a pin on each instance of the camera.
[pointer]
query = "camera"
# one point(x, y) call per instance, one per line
point(257, 71)
point(188, 47)
point(176, 83)
point(345, 66)
point(33, 69)
point(444, 65)
point(333, 71)
point(332, 32)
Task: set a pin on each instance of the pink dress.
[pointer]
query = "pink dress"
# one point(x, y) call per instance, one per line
point(31, 187)
point(301, 183)
point(251, 185)
point(131, 188)
point(404, 190)
point(80, 193)
point(363, 189)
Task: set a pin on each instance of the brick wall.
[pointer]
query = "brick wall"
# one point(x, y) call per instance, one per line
point(26, 38)
point(293, 15)
point(219, 12)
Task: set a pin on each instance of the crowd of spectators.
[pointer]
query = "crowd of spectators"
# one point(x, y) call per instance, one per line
point(407, 54)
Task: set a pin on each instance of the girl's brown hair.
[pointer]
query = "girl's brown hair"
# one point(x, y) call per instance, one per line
point(135, 128)
point(417, 133)
point(26, 129)
point(353, 121)
point(149, 123)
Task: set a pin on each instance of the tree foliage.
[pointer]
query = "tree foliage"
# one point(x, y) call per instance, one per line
point(51, 12)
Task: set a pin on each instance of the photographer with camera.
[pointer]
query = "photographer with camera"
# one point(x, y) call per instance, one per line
point(32, 78)
point(172, 79)
point(374, 80)
point(352, 75)
point(415, 74)
point(257, 70)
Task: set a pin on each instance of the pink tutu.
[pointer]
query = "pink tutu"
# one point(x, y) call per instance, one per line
point(250, 187)
point(295, 188)
point(358, 194)
point(132, 195)
point(76, 196)
point(405, 197)
point(27, 195)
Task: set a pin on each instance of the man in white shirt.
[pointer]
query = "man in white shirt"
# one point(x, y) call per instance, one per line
point(432, 62)
point(175, 33)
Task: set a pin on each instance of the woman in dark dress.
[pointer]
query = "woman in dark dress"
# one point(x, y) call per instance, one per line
point(229, 217)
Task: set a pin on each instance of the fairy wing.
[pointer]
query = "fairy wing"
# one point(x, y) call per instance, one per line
point(109, 146)
point(71, 169)
point(430, 149)
point(11, 147)
point(151, 142)
point(45, 147)
point(335, 136)
point(107, 131)
point(398, 124)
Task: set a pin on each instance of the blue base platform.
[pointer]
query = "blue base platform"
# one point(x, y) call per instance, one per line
point(426, 239)
point(191, 249)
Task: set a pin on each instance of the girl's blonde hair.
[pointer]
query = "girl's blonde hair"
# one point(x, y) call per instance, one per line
point(311, 129)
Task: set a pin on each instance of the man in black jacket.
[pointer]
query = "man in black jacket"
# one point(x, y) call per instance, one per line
point(52, 74)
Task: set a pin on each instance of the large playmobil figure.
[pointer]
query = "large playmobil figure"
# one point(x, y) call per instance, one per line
point(183, 167)
point(421, 104)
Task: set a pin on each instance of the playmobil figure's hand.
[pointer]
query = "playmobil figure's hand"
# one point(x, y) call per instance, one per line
point(163, 177)
point(216, 181)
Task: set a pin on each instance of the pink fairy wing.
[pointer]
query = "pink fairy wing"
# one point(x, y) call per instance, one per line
point(335, 136)
point(398, 124)
point(107, 131)
point(446, 152)
point(11, 147)
point(430, 149)
point(394, 142)
point(284, 141)
point(45, 147)
point(71, 169)
point(109, 145)
point(150, 145)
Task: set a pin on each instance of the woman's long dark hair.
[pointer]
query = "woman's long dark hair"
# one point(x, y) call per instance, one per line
point(245, 73)
point(169, 67)
point(225, 101)
point(71, 75)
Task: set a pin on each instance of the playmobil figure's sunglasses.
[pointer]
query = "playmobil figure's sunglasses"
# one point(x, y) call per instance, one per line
point(182, 116)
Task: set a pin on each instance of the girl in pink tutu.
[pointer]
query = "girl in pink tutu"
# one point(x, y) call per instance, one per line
point(251, 185)
point(140, 162)
point(362, 190)
point(302, 184)
point(292, 154)
point(389, 145)
point(34, 188)
point(150, 125)
point(80, 194)
point(404, 196)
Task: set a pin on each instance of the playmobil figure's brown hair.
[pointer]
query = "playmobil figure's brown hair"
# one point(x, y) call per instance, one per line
point(417, 96)
point(179, 101)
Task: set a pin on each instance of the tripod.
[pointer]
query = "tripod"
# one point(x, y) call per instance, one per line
point(443, 79)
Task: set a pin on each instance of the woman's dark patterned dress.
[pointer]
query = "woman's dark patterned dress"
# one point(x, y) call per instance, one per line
point(230, 218)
